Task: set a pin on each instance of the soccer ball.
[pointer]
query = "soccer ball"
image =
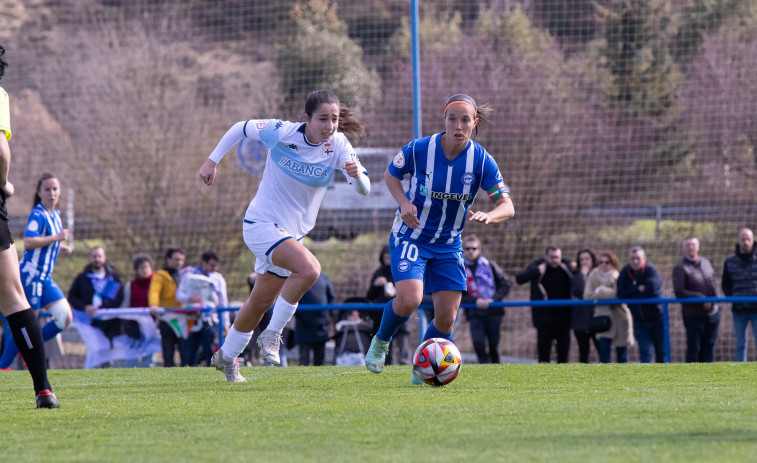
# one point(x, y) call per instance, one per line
point(437, 361)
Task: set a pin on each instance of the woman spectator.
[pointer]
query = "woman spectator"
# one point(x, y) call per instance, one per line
point(581, 316)
point(136, 290)
point(612, 324)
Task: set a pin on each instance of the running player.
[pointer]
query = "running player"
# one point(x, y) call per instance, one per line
point(302, 158)
point(446, 171)
point(42, 243)
point(21, 321)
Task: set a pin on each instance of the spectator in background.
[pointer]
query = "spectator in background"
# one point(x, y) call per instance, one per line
point(382, 290)
point(693, 276)
point(137, 289)
point(312, 326)
point(353, 331)
point(135, 295)
point(550, 277)
point(641, 280)
point(612, 324)
point(740, 279)
point(163, 294)
point(582, 315)
point(486, 283)
point(203, 287)
point(98, 286)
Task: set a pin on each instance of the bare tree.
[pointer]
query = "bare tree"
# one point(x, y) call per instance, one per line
point(140, 111)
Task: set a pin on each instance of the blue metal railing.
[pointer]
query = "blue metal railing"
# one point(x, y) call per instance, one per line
point(663, 301)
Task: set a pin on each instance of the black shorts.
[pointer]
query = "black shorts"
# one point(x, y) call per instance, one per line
point(6, 239)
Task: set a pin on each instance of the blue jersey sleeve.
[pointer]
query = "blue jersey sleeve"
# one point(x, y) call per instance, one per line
point(492, 181)
point(35, 226)
point(403, 162)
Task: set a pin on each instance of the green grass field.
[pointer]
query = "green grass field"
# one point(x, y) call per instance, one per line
point(513, 413)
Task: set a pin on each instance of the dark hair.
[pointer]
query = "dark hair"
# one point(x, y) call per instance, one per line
point(481, 111)
point(207, 256)
point(45, 176)
point(347, 121)
point(139, 259)
point(614, 261)
point(551, 248)
point(171, 251)
point(384, 250)
point(589, 252)
point(3, 63)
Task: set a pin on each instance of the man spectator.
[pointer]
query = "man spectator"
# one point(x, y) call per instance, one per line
point(312, 326)
point(163, 294)
point(204, 287)
point(740, 279)
point(550, 277)
point(641, 280)
point(693, 276)
point(98, 286)
point(486, 283)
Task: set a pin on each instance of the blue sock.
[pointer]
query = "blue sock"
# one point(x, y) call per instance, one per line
point(390, 323)
point(432, 332)
point(10, 351)
point(50, 330)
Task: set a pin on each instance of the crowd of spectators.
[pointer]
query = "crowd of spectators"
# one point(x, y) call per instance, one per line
point(592, 276)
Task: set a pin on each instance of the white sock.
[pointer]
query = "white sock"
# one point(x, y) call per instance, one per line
point(282, 313)
point(235, 343)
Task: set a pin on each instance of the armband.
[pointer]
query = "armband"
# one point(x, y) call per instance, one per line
point(498, 191)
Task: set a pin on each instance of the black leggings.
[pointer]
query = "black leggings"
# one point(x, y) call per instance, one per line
point(484, 329)
point(170, 343)
point(546, 334)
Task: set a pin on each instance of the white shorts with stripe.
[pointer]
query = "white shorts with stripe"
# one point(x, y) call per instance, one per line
point(262, 238)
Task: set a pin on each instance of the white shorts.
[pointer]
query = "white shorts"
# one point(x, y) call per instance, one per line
point(262, 238)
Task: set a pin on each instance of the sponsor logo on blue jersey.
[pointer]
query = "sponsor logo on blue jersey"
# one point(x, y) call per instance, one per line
point(452, 196)
point(424, 191)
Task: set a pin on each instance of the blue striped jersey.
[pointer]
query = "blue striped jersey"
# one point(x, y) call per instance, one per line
point(41, 261)
point(442, 190)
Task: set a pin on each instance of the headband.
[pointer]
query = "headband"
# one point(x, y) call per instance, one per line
point(460, 101)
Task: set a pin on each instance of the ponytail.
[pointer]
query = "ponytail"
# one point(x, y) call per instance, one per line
point(349, 124)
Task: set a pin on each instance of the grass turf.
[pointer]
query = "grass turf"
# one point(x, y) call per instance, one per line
point(632, 412)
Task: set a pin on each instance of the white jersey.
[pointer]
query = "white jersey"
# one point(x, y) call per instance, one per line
point(297, 173)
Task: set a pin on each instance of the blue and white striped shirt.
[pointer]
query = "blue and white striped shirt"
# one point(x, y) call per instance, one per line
point(40, 262)
point(442, 190)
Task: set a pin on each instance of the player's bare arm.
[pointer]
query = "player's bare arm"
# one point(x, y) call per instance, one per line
point(408, 211)
point(34, 242)
point(502, 211)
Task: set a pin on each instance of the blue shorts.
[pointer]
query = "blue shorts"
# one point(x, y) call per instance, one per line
point(439, 270)
point(40, 293)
